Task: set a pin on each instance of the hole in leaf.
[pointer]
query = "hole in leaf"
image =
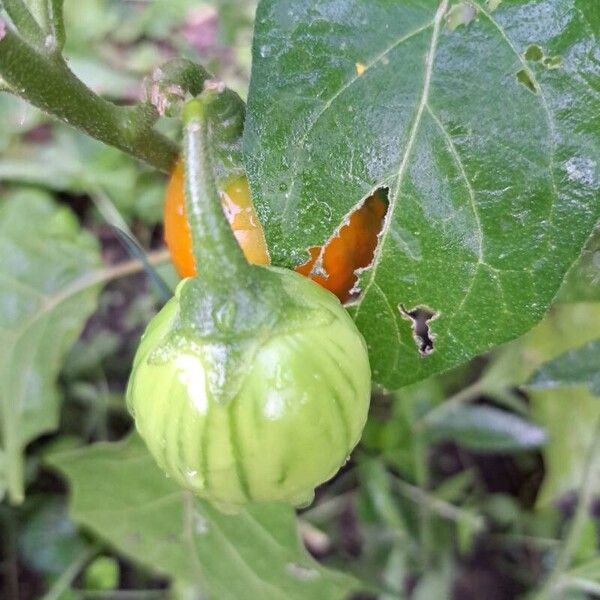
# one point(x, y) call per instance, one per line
point(552, 62)
point(420, 316)
point(350, 249)
point(524, 77)
point(459, 14)
point(492, 5)
point(534, 53)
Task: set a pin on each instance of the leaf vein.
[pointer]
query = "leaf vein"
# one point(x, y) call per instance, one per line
point(429, 59)
point(459, 163)
point(548, 114)
point(340, 91)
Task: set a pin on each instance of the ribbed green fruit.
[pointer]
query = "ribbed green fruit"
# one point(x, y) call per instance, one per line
point(299, 413)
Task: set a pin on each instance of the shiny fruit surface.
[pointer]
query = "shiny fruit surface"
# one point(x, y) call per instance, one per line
point(240, 214)
point(298, 414)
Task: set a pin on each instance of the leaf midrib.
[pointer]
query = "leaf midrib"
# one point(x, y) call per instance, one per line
point(339, 92)
point(408, 151)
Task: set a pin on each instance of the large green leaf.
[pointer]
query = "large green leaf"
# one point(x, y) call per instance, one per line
point(43, 308)
point(482, 123)
point(252, 555)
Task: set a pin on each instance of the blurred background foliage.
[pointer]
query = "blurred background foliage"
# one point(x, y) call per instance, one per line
point(470, 484)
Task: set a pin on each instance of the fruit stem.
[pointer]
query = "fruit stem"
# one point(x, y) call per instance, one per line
point(216, 251)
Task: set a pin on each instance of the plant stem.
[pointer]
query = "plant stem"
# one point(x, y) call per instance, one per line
point(552, 587)
point(424, 508)
point(45, 81)
point(106, 274)
point(214, 244)
point(438, 506)
point(22, 17)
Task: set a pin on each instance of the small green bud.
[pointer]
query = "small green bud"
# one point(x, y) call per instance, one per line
point(299, 408)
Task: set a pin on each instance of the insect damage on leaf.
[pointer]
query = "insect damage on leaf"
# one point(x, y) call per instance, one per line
point(459, 14)
point(2, 29)
point(351, 248)
point(420, 316)
point(536, 54)
point(524, 77)
point(552, 62)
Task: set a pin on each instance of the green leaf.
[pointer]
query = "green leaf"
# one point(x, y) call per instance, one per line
point(489, 158)
point(254, 554)
point(48, 540)
point(566, 326)
point(376, 484)
point(434, 584)
point(569, 415)
point(77, 164)
point(582, 283)
point(485, 429)
point(580, 366)
point(42, 311)
point(589, 570)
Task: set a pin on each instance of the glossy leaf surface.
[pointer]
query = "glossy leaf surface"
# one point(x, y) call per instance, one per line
point(483, 124)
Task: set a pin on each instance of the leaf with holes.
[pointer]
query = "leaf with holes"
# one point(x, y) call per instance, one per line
point(144, 515)
point(479, 117)
point(43, 307)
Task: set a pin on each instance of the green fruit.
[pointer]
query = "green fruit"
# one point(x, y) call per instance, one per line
point(298, 407)
point(252, 383)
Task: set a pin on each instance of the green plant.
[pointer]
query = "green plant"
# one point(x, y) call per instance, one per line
point(252, 383)
point(346, 252)
point(470, 128)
